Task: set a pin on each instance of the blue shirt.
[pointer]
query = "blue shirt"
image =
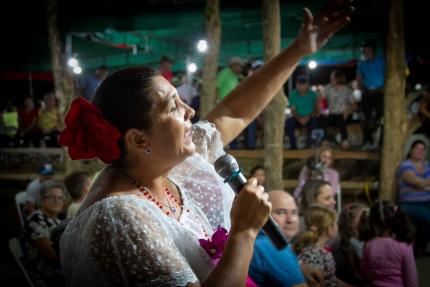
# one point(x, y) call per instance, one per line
point(89, 85)
point(304, 105)
point(272, 267)
point(372, 73)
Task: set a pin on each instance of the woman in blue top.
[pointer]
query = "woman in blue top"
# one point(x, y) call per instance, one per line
point(414, 183)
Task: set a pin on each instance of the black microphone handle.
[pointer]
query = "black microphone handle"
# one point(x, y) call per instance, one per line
point(270, 227)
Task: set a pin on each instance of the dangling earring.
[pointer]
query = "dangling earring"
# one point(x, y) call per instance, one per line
point(148, 151)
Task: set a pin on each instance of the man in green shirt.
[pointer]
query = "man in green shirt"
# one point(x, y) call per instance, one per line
point(228, 78)
point(304, 107)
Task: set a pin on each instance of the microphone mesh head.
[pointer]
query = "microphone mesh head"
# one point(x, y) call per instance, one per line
point(225, 165)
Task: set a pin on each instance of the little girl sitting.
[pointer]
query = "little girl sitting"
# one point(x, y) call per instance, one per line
point(388, 258)
point(311, 247)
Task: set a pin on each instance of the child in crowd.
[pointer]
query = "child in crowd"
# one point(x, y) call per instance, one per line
point(349, 249)
point(320, 168)
point(311, 247)
point(388, 258)
point(317, 191)
point(78, 184)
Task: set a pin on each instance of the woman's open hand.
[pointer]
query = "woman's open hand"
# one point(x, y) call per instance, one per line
point(315, 32)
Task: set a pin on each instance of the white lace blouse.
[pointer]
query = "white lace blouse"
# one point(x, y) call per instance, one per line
point(128, 241)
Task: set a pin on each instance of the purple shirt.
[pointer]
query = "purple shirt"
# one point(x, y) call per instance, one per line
point(387, 262)
point(330, 175)
point(410, 192)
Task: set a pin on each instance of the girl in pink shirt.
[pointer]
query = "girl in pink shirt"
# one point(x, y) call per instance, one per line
point(388, 258)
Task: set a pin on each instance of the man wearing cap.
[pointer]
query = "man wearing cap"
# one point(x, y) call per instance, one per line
point(229, 77)
point(165, 68)
point(33, 189)
point(304, 107)
point(370, 79)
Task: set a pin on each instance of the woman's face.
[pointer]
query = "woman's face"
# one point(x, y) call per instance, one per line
point(326, 157)
point(170, 137)
point(418, 152)
point(53, 201)
point(326, 196)
point(260, 175)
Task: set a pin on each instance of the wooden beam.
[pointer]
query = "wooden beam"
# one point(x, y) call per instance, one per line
point(292, 183)
point(306, 153)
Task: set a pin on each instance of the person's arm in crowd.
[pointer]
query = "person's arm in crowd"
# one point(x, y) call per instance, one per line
point(45, 248)
point(423, 109)
point(409, 270)
point(411, 178)
point(253, 94)
point(30, 206)
point(313, 275)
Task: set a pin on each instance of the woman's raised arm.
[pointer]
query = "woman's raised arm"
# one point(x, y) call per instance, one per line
point(252, 95)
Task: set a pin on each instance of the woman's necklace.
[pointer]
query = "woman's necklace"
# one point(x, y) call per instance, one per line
point(172, 203)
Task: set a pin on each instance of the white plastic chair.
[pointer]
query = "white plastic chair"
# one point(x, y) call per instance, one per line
point(17, 252)
point(20, 201)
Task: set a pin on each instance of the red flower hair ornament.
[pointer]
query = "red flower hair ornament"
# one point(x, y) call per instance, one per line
point(88, 134)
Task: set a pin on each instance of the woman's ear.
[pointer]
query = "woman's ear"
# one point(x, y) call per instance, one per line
point(136, 138)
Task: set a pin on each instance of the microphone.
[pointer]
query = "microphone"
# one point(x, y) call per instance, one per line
point(228, 168)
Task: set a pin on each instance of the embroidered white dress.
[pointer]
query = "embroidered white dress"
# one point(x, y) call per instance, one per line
point(128, 241)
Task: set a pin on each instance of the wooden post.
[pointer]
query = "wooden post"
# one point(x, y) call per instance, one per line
point(274, 115)
point(208, 97)
point(63, 77)
point(395, 119)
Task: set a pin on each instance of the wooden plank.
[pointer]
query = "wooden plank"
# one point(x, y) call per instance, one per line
point(292, 183)
point(306, 153)
point(27, 176)
point(46, 151)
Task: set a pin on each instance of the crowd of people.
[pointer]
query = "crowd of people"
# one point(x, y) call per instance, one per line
point(158, 214)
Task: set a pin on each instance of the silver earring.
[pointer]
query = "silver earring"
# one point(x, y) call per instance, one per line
point(148, 151)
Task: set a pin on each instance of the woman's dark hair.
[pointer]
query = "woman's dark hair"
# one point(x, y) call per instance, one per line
point(387, 219)
point(413, 145)
point(125, 99)
point(75, 183)
point(255, 168)
point(310, 192)
point(340, 76)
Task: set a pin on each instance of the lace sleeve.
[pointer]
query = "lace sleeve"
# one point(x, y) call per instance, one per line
point(208, 141)
point(130, 244)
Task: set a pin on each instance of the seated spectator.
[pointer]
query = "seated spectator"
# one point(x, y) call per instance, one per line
point(77, 184)
point(340, 104)
point(414, 192)
point(38, 229)
point(259, 173)
point(321, 226)
point(349, 250)
point(317, 191)
point(272, 267)
point(318, 169)
point(305, 109)
point(27, 132)
point(424, 112)
point(414, 183)
point(33, 188)
point(388, 258)
point(49, 121)
point(8, 125)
